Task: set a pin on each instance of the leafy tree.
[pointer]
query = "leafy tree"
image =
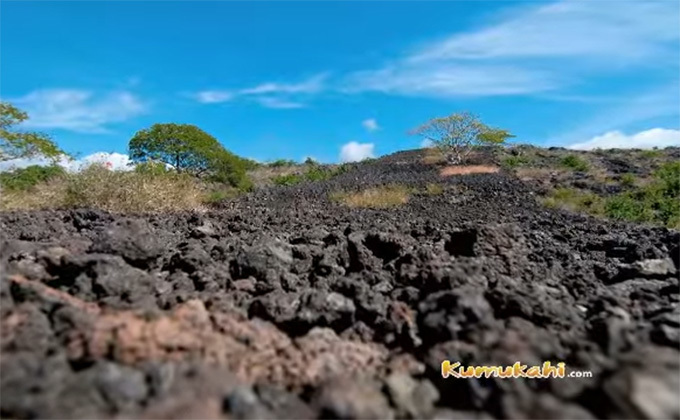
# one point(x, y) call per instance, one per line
point(187, 149)
point(17, 144)
point(457, 134)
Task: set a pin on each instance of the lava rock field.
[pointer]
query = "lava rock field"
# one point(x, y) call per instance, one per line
point(285, 304)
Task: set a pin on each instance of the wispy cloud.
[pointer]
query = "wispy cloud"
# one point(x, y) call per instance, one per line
point(271, 94)
point(78, 110)
point(278, 103)
point(446, 80)
point(370, 124)
point(656, 137)
point(570, 29)
point(213, 96)
point(312, 85)
point(355, 151)
point(536, 49)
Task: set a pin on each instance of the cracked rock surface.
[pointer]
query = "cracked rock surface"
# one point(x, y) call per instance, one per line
point(283, 304)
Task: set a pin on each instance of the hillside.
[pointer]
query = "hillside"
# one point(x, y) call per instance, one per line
point(341, 298)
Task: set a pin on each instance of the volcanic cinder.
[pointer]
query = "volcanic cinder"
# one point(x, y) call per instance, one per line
point(285, 304)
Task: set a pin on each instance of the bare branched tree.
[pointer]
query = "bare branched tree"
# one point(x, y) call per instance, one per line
point(457, 135)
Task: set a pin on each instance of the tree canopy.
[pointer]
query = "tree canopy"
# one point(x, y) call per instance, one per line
point(20, 144)
point(457, 134)
point(187, 149)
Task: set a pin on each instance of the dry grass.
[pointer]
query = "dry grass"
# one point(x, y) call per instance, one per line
point(115, 191)
point(467, 170)
point(433, 156)
point(377, 198)
point(434, 189)
point(526, 174)
point(265, 175)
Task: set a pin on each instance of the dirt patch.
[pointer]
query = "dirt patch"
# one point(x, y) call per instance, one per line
point(468, 170)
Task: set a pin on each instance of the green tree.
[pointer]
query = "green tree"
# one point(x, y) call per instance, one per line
point(184, 147)
point(21, 144)
point(188, 149)
point(457, 134)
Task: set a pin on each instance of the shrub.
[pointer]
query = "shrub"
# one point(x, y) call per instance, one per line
point(628, 180)
point(628, 207)
point(377, 197)
point(219, 195)
point(575, 200)
point(282, 162)
point(288, 180)
point(314, 173)
point(319, 173)
point(651, 153)
point(511, 162)
point(575, 162)
point(657, 202)
point(668, 179)
point(28, 177)
point(116, 191)
point(250, 164)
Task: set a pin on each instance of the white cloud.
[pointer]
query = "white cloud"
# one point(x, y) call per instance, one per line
point(632, 109)
point(447, 80)
point(593, 29)
point(656, 137)
point(370, 124)
point(535, 49)
point(354, 151)
point(114, 161)
point(278, 103)
point(312, 85)
point(214, 96)
point(78, 110)
point(271, 94)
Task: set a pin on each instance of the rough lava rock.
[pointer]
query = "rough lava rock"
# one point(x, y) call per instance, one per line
point(284, 304)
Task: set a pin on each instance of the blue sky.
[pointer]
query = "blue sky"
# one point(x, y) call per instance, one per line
point(295, 79)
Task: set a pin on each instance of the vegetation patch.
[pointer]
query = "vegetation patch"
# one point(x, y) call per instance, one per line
point(575, 163)
point(512, 162)
point(434, 189)
point(628, 180)
point(378, 197)
point(651, 153)
point(280, 163)
point(656, 202)
point(315, 172)
point(433, 156)
point(25, 178)
point(116, 191)
point(574, 199)
point(467, 170)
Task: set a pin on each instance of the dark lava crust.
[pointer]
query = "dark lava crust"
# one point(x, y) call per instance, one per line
point(283, 304)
